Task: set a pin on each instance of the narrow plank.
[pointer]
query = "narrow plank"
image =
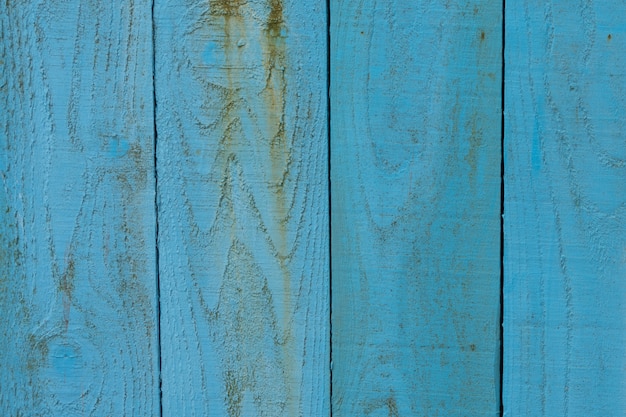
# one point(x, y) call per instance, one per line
point(565, 209)
point(78, 333)
point(243, 207)
point(415, 173)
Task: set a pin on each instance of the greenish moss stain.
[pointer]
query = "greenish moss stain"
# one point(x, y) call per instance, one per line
point(388, 403)
point(233, 393)
point(66, 286)
point(66, 282)
point(38, 353)
point(392, 406)
point(130, 288)
point(475, 144)
point(246, 317)
point(474, 125)
point(227, 8)
point(13, 300)
point(274, 94)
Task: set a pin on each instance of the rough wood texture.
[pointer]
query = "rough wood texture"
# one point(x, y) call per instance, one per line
point(565, 212)
point(78, 331)
point(243, 207)
point(415, 171)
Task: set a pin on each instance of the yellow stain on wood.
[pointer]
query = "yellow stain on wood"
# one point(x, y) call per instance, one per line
point(275, 95)
point(242, 113)
point(66, 286)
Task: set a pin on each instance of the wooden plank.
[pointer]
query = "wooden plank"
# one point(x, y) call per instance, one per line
point(78, 334)
point(415, 173)
point(565, 212)
point(243, 207)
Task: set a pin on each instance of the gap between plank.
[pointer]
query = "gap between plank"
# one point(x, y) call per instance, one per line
point(330, 252)
point(502, 189)
point(156, 211)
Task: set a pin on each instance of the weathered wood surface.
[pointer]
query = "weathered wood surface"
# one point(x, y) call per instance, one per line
point(243, 207)
point(565, 211)
point(78, 332)
point(415, 173)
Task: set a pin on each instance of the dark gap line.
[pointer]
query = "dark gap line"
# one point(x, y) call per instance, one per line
point(330, 251)
point(502, 190)
point(156, 210)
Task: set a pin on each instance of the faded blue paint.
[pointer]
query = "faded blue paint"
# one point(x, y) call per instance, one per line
point(210, 56)
point(565, 223)
point(536, 147)
point(415, 175)
point(243, 207)
point(118, 147)
point(78, 334)
point(244, 217)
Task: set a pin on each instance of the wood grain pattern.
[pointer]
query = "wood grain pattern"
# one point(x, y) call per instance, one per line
point(78, 332)
point(415, 171)
point(243, 207)
point(565, 212)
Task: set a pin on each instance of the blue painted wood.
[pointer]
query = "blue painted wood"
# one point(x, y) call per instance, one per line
point(565, 212)
point(244, 214)
point(415, 171)
point(78, 332)
point(243, 207)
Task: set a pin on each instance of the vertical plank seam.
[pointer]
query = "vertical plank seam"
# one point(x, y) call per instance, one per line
point(156, 212)
point(502, 190)
point(330, 212)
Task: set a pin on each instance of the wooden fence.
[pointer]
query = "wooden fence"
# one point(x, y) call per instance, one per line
point(294, 208)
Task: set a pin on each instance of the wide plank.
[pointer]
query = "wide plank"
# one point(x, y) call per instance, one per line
point(565, 209)
point(243, 207)
point(415, 174)
point(78, 334)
